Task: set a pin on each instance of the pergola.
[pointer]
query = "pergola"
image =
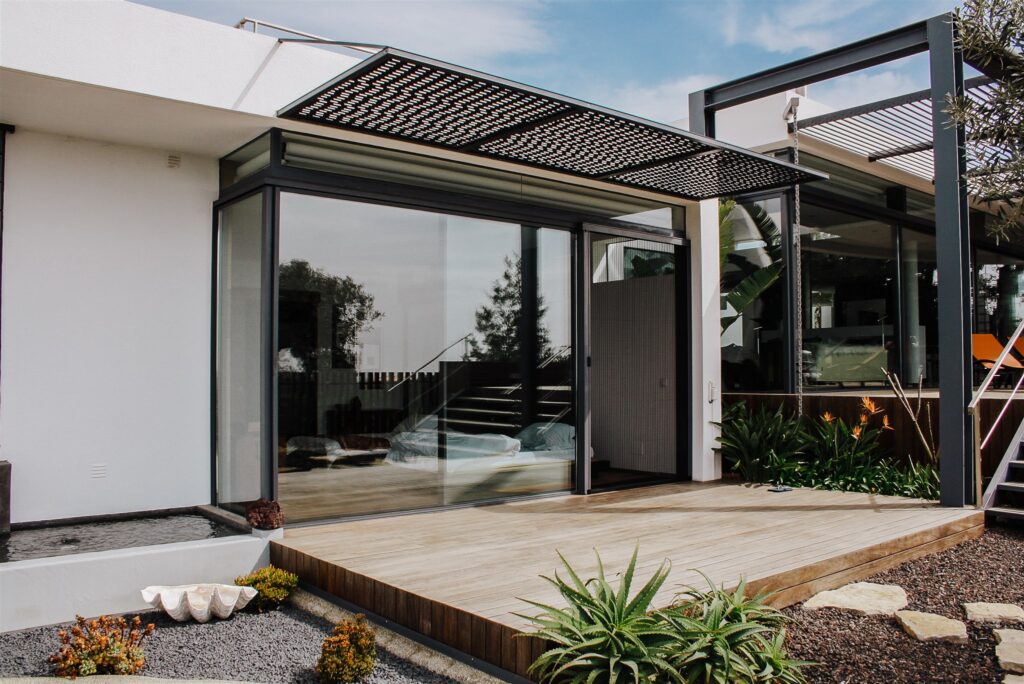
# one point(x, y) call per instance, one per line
point(913, 133)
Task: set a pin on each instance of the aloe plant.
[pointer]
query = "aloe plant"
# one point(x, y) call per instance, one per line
point(604, 635)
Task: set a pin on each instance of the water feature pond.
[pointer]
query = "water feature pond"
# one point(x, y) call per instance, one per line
point(64, 540)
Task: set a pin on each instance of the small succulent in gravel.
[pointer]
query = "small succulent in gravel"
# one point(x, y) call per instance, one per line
point(105, 645)
point(264, 515)
point(273, 584)
point(349, 653)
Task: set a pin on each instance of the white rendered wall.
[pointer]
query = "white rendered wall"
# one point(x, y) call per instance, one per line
point(706, 343)
point(135, 48)
point(104, 373)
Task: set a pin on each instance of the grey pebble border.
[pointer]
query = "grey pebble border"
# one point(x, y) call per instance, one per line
point(278, 646)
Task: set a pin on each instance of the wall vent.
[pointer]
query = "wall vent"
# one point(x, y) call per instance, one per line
point(98, 471)
point(174, 161)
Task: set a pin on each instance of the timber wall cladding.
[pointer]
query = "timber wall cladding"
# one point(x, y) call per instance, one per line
point(903, 439)
point(477, 636)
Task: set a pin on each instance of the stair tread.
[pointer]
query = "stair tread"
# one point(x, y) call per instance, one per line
point(1008, 512)
point(1012, 486)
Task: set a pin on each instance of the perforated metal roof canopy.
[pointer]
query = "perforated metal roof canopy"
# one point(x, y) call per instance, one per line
point(401, 95)
point(897, 131)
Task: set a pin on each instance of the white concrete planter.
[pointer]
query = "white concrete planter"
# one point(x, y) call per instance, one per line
point(44, 591)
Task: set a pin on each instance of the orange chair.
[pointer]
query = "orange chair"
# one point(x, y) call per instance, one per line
point(986, 349)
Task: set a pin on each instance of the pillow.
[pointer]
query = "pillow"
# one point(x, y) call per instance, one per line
point(548, 437)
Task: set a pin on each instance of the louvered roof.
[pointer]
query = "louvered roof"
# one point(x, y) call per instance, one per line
point(401, 95)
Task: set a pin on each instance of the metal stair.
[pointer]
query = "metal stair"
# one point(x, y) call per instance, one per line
point(1004, 497)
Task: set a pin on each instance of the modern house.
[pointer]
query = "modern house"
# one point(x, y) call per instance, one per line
point(365, 282)
point(357, 281)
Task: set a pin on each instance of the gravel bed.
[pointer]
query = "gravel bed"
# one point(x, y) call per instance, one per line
point(281, 646)
point(852, 648)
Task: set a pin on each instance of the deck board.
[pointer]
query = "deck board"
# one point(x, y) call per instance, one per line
point(458, 575)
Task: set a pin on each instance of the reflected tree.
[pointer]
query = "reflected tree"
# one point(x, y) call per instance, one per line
point(744, 282)
point(352, 308)
point(498, 322)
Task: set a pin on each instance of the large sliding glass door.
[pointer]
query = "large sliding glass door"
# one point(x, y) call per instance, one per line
point(423, 359)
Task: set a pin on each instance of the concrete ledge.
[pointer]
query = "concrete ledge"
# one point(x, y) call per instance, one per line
point(45, 591)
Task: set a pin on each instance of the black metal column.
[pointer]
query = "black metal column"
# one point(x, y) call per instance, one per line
point(4, 130)
point(952, 242)
point(529, 324)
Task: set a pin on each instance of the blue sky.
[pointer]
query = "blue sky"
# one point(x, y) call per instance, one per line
point(640, 56)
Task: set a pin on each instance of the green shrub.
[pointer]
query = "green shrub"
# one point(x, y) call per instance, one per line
point(825, 452)
point(103, 646)
point(763, 445)
point(722, 637)
point(273, 585)
point(349, 653)
point(602, 635)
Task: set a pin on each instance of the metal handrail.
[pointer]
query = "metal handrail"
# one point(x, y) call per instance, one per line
point(995, 366)
point(309, 37)
point(435, 358)
point(972, 409)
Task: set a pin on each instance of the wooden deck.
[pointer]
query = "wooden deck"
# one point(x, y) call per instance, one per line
point(457, 575)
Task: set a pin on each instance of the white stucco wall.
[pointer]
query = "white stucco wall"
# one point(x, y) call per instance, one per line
point(135, 48)
point(104, 375)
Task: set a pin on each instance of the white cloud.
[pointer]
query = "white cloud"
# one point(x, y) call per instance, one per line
point(665, 101)
point(863, 88)
point(815, 25)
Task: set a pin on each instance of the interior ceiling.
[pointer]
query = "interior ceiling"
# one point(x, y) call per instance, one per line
point(405, 96)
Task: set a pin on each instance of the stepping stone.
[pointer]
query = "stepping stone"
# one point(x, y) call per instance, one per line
point(1010, 649)
point(932, 627)
point(1013, 679)
point(994, 612)
point(865, 598)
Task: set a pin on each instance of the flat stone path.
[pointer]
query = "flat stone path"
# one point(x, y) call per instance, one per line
point(932, 627)
point(864, 598)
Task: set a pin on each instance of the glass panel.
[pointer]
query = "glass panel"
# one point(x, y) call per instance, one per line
point(410, 367)
point(753, 297)
point(921, 310)
point(633, 361)
point(849, 298)
point(999, 294)
point(240, 384)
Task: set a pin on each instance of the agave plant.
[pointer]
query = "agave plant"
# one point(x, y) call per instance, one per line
point(604, 635)
point(726, 637)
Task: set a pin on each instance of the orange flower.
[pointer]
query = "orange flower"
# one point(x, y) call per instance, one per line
point(856, 432)
point(885, 423)
point(827, 417)
point(869, 405)
point(863, 419)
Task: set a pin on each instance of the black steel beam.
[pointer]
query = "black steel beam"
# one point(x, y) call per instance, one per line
point(518, 128)
point(5, 129)
point(899, 151)
point(952, 248)
point(886, 47)
point(879, 105)
point(654, 163)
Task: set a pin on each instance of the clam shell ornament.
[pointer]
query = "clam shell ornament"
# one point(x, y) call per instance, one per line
point(198, 601)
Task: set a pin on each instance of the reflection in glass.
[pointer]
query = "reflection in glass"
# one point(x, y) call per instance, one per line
point(921, 310)
point(424, 359)
point(849, 298)
point(753, 292)
point(999, 293)
point(240, 353)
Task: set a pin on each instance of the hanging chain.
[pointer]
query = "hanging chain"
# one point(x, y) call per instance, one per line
point(798, 313)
